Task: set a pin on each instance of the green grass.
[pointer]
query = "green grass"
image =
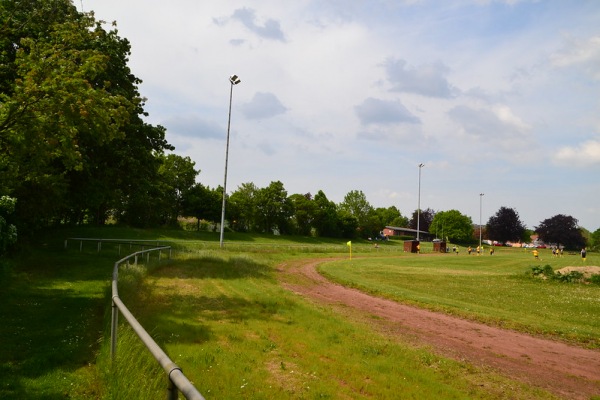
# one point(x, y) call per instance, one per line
point(52, 311)
point(222, 315)
point(495, 289)
point(237, 334)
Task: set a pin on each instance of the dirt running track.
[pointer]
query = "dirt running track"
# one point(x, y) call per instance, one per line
point(567, 371)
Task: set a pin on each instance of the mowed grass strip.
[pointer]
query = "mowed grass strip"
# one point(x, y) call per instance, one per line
point(237, 334)
point(495, 289)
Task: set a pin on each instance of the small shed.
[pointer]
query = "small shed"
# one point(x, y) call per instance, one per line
point(410, 246)
point(439, 246)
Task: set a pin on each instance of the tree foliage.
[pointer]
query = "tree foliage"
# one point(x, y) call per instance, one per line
point(326, 219)
point(505, 226)
point(8, 231)
point(457, 227)
point(273, 209)
point(203, 203)
point(425, 218)
point(356, 210)
point(595, 240)
point(303, 213)
point(73, 144)
point(561, 230)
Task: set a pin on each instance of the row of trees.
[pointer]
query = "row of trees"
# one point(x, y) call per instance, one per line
point(270, 209)
point(506, 226)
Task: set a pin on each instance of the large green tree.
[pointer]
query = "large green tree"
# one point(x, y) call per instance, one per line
point(303, 213)
point(176, 177)
point(458, 228)
point(356, 205)
point(73, 145)
point(203, 203)
point(241, 208)
point(273, 209)
point(391, 216)
point(505, 226)
point(326, 220)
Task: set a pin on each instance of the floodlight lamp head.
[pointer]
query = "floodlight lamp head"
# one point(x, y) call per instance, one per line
point(234, 79)
point(421, 165)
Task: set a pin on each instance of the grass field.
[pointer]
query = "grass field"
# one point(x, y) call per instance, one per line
point(497, 289)
point(224, 318)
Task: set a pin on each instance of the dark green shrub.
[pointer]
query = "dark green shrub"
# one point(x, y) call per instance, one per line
point(573, 276)
point(546, 271)
point(595, 279)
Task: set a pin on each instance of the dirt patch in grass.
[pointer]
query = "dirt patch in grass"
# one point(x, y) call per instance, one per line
point(587, 271)
point(567, 371)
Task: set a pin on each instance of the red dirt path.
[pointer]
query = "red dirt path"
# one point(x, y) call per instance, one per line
point(565, 370)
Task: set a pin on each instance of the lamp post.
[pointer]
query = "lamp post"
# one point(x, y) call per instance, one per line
point(480, 227)
point(419, 203)
point(234, 80)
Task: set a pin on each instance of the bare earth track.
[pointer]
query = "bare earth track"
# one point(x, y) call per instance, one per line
point(568, 371)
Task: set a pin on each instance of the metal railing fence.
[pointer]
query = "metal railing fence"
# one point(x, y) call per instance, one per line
point(143, 243)
point(177, 381)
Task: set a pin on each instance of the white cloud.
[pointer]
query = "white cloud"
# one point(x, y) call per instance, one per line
point(580, 52)
point(497, 123)
point(585, 154)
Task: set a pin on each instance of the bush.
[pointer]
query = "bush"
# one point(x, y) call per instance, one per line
point(572, 276)
point(545, 271)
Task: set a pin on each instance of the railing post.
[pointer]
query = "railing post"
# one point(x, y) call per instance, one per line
point(113, 331)
point(80, 245)
point(99, 245)
point(172, 392)
point(115, 313)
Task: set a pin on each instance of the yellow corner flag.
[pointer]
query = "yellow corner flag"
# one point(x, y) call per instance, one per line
point(349, 244)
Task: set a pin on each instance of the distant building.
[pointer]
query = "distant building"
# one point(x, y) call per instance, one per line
point(391, 231)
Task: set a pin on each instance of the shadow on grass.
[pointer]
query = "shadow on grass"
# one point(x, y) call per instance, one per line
point(52, 316)
point(180, 316)
point(46, 330)
point(215, 268)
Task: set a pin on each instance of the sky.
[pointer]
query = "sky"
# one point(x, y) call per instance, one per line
point(495, 97)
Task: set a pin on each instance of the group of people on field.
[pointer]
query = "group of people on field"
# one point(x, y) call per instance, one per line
point(478, 250)
point(558, 252)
